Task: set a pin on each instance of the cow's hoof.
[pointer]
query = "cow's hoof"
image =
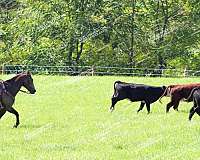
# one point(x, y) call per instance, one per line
point(111, 109)
point(176, 109)
point(167, 110)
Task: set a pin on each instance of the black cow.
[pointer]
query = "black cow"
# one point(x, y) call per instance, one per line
point(195, 95)
point(136, 92)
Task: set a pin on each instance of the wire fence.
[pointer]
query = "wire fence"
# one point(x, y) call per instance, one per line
point(98, 71)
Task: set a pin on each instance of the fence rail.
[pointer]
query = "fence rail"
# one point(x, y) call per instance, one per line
point(98, 70)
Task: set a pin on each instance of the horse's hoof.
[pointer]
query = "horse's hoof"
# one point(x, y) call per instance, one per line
point(15, 126)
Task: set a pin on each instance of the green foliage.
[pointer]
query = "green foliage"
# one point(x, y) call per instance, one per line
point(106, 33)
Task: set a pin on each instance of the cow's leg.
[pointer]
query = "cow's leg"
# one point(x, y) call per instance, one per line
point(13, 111)
point(197, 102)
point(1, 105)
point(176, 105)
point(169, 105)
point(197, 110)
point(192, 110)
point(141, 106)
point(114, 101)
point(2, 112)
point(175, 99)
point(148, 107)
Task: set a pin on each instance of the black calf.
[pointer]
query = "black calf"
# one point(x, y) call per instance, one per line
point(136, 92)
point(195, 93)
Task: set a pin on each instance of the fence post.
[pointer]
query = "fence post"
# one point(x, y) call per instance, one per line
point(185, 72)
point(3, 68)
point(92, 70)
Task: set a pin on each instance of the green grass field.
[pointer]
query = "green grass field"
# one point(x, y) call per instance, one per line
point(69, 118)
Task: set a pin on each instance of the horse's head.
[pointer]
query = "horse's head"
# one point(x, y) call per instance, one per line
point(27, 81)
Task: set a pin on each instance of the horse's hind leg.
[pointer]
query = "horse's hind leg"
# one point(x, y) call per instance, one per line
point(13, 111)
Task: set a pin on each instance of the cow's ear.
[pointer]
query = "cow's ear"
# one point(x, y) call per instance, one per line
point(164, 87)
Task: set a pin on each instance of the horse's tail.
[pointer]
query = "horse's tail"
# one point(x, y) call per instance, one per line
point(167, 90)
point(191, 93)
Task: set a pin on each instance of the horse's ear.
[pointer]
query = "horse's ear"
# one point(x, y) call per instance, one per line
point(28, 73)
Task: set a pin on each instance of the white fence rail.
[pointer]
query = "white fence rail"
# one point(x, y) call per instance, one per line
point(98, 70)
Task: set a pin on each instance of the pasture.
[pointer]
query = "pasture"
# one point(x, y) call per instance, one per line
point(69, 118)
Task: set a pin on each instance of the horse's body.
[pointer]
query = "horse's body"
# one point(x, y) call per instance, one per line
point(10, 90)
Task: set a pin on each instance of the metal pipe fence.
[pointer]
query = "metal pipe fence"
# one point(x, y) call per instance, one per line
point(98, 70)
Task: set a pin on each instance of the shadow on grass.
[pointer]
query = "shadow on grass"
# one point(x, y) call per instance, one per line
point(183, 111)
point(30, 126)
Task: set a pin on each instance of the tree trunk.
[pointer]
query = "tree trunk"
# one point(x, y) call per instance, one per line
point(161, 27)
point(131, 54)
point(79, 52)
point(71, 50)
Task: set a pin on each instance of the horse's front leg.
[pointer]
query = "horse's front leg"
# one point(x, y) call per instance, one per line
point(13, 111)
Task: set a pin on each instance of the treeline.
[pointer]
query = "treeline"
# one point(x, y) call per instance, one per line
point(125, 33)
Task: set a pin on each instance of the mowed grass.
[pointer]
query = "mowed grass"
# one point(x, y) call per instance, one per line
point(69, 118)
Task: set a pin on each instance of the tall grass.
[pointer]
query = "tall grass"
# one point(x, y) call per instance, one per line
point(69, 118)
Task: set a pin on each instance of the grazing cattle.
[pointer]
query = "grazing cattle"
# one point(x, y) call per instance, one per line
point(195, 95)
point(136, 92)
point(177, 93)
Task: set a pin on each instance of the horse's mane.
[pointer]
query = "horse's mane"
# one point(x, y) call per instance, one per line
point(15, 78)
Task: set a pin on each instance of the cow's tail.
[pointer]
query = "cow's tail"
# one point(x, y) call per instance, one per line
point(191, 94)
point(115, 86)
point(116, 83)
point(167, 90)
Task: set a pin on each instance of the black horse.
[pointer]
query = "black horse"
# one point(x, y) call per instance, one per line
point(9, 90)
